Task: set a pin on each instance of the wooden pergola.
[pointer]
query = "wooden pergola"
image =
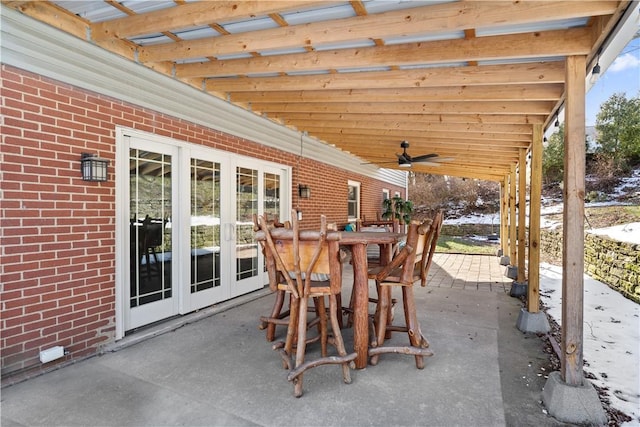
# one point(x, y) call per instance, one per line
point(475, 82)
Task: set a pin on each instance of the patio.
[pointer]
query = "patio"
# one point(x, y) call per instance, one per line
point(215, 368)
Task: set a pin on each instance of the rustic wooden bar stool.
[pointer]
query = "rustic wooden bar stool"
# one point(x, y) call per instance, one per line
point(279, 314)
point(310, 266)
point(402, 272)
point(430, 246)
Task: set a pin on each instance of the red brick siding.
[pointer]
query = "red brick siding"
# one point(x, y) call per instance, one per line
point(58, 232)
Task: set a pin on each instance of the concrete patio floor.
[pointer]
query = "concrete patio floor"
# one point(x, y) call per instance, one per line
point(215, 368)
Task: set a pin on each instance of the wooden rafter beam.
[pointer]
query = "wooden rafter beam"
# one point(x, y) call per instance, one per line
point(531, 107)
point(516, 92)
point(435, 19)
point(335, 132)
point(385, 123)
point(516, 46)
point(192, 14)
point(512, 74)
point(463, 173)
point(424, 118)
point(385, 148)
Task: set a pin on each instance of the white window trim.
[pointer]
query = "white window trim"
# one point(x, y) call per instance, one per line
point(358, 186)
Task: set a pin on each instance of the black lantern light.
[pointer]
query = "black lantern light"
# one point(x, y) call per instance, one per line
point(93, 168)
point(304, 191)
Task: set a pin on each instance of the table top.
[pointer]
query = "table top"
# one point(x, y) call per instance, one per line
point(351, 238)
point(345, 238)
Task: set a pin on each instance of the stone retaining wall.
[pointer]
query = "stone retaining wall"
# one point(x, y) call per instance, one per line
point(466, 229)
point(615, 263)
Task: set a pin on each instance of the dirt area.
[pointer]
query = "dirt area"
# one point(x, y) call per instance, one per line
point(605, 216)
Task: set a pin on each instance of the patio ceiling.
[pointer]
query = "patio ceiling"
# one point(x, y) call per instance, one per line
point(466, 80)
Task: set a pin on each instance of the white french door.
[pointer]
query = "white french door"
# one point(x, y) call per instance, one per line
point(187, 213)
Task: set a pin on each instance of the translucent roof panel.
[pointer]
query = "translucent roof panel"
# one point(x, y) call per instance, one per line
point(442, 65)
point(320, 14)
point(307, 73)
point(94, 11)
point(197, 33)
point(416, 38)
point(151, 39)
point(239, 55)
point(282, 51)
point(521, 60)
point(526, 28)
point(262, 23)
point(345, 45)
point(363, 69)
point(379, 6)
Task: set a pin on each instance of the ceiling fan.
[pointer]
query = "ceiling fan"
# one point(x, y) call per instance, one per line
point(405, 160)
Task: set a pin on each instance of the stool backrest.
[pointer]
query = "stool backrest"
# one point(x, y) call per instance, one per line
point(431, 242)
point(305, 257)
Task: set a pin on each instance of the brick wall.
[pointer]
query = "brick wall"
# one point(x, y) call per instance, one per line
point(58, 232)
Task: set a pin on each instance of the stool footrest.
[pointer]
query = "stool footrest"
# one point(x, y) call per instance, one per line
point(416, 351)
point(329, 360)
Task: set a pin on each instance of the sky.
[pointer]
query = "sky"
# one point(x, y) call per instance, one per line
point(623, 76)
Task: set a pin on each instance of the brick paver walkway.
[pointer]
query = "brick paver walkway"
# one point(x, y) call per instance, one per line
point(463, 271)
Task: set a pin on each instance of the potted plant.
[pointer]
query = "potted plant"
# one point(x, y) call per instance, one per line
point(397, 208)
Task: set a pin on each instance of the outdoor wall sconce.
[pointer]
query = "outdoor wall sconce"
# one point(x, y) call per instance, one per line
point(93, 168)
point(303, 191)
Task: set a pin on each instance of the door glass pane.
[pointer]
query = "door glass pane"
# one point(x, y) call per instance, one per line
point(205, 225)
point(246, 206)
point(271, 200)
point(272, 195)
point(150, 226)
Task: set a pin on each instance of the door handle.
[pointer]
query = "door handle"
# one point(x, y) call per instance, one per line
point(229, 232)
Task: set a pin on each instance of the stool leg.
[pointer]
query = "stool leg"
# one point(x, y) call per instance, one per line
point(334, 307)
point(292, 326)
point(277, 309)
point(413, 327)
point(321, 312)
point(351, 306)
point(302, 343)
point(381, 319)
point(339, 301)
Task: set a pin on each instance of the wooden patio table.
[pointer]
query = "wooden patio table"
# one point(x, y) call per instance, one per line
point(357, 241)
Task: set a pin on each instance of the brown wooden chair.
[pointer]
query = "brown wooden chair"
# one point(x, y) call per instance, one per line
point(310, 266)
point(430, 246)
point(279, 313)
point(403, 271)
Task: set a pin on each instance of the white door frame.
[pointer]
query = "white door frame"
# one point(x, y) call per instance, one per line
point(181, 211)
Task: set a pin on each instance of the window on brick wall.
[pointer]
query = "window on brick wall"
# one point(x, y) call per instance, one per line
point(353, 200)
point(385, 193)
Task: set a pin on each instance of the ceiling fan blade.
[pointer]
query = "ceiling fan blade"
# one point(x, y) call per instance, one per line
point(424, 157)
point(380, 163)
point(428, 163)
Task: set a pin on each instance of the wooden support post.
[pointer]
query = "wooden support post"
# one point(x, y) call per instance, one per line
point(522, 217)
point(512, 215)
point(533, 289)
point(573, 223)
point(504, 216)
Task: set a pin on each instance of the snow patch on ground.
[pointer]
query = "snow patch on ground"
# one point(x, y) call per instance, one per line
point(611, 332)
point(629, 233)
